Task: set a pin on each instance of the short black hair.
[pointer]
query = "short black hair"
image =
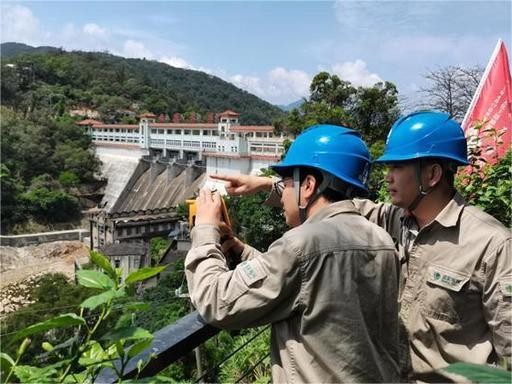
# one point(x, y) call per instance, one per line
point(331, 194)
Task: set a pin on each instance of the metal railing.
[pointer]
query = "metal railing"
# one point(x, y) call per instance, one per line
point(169, 344)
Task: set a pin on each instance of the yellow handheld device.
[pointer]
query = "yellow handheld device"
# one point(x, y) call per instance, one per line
point(192, 209)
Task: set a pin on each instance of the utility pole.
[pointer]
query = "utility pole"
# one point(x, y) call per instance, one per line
point(197, 350)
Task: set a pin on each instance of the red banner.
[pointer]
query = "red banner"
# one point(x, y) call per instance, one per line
point(492, 107)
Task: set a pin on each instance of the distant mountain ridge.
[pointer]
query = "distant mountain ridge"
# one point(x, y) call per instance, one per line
point(118, 88)
point(8, 50)
point(289, 107)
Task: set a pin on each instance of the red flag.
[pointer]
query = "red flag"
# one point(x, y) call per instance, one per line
point(492, 106)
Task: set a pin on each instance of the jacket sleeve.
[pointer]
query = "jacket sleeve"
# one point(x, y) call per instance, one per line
point(261, 290)
point(385, 215)
point(497, 298)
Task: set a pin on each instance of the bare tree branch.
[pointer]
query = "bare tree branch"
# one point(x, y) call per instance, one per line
point(451, 89)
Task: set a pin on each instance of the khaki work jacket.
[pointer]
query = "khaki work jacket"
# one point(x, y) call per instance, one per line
point(328, 287)
point(455, 286)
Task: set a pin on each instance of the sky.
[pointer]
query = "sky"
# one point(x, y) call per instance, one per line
point(273, 49)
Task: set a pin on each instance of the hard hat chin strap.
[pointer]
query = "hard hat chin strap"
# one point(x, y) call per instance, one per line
point(319, 190)
point(421, 192)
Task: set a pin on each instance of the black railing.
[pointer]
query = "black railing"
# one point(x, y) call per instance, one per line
point(169, 344)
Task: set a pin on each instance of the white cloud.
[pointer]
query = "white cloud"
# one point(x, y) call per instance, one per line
point(356, 72)
point(279, 85)
point(132, 48)
point(251, 84)
point(177, 62)
point(95, 30)
point(19, 25)
point(292, 83)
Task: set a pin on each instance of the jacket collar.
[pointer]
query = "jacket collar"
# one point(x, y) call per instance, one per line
point(333, 209)
point(450, 214)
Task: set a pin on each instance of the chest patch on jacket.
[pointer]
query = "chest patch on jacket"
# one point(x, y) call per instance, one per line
point(251, 271)
point(446, 278)
point(506, 286)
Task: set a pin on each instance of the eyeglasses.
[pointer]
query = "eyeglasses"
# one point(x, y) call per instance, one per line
point(281, 184)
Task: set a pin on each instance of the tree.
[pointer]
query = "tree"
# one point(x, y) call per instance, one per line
point(331, 90)
point(374, 111)
point(451, 89)
point(259, 225)
point(369, 110)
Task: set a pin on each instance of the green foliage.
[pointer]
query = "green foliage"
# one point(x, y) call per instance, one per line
point(56, 81)
point(68, 179)
point(52, 294)
point(157, 248)
point(466, 373)
point(82, 357)
point(488, 185)
point(476, 373)
point(246, 361)
point(182, 211)
point(50, 206)
point(258, 225)
point(369, 110)
point(11, 189)
point(377, 185)
point(41, 157)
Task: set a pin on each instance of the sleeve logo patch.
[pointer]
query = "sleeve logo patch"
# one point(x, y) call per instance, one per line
point(251, 271)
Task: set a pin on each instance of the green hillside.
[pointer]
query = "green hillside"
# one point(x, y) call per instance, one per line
point(50, 78)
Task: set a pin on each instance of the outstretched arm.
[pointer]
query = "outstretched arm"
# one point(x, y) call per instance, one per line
point(238, 185)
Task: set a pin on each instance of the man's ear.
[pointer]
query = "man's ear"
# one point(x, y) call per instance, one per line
point(434, 174)
point(308, 186)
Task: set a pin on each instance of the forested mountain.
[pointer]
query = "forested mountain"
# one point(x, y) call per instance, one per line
point(8, 50)
point(116, 87)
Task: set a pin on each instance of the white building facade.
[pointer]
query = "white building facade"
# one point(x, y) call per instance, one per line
point(225, 147)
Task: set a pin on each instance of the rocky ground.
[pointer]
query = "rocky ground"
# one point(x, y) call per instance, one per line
point(20, 268)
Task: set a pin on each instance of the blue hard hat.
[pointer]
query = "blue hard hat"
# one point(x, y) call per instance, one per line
point(425, 134)
point(337, 150)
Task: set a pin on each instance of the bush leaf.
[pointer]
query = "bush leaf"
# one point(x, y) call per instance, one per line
point(93, 301)
point(102, 262)
point(6, 362)
point(94, 279)
point(144, 273)
point(61, 321)
point(128, 333)
point(139, 347)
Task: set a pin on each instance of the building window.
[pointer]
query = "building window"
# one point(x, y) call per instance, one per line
point(161, 132)
point(187, 132)
point(196, 132)
point(259, 134)
point(117, 263)
point(153, 130)
point(177, 131)
point(169, 131)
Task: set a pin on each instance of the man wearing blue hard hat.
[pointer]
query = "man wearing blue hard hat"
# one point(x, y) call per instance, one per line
point(328, 286)
point(456, 264)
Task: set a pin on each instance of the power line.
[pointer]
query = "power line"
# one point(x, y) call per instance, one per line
point(231, 354)
point(246, 373)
